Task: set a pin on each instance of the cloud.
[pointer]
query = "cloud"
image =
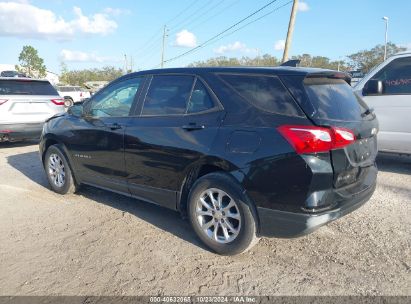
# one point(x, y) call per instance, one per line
point(303, 6)
point(279, 45)
point(185, 39)
point(28, 21)
point(78, 56)
point(233, 47)
point(116, 11)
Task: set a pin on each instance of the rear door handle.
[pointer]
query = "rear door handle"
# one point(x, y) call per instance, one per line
point(114, 126)
point(192, 127)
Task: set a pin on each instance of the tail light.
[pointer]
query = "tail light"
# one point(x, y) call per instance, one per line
point(81, 94)
point(311, 139)
point(58, 101)
point(3, 101)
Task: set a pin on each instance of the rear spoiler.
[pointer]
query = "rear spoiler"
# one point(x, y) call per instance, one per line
point(331, 75)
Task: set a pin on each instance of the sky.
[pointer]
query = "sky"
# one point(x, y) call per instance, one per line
point(97, 33)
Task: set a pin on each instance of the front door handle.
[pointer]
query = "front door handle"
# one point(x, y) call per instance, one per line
point(114, 126)
point(192, 127)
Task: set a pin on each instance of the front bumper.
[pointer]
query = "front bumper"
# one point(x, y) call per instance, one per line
point(20, 131)
point(283, 224)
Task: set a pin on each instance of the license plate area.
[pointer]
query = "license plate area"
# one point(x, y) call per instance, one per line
point(362, 152)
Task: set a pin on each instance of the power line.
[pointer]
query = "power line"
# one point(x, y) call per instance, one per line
point(221, 33)
point(181, 12)
point(156, 37)
point(187, 22)
point(223, 10)
point(255, 20)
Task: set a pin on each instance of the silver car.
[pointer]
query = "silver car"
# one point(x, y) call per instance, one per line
point(387, 89)
point(25, 104)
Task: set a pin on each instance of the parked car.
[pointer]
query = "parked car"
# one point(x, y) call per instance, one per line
point(72, 94)
point(387, 89)
point(25, 104)
point(95, 86)
point(242, 152)
point(356, 76)
point(12, 74)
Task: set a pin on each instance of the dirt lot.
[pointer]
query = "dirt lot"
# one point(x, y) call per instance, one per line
point(99, 243)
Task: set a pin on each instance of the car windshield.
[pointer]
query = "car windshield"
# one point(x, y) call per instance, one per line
point(26, 87)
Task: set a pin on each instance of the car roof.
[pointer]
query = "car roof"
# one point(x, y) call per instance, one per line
point(252, 70)
point(23, 79)
point(408, 52)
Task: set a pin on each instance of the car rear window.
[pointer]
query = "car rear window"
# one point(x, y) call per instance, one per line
point(333, 99)
point(26, 87)
point(264, 92)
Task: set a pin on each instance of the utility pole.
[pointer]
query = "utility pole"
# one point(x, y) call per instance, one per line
point(131, 63)
point(290, 30)
point(164, 43)
point(386, 36)
point(125, 64)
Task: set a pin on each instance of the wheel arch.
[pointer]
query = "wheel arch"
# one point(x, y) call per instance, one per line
point(50, 141)
point(210, 166)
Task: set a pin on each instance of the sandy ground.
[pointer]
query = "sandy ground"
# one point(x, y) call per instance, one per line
point(99, 243)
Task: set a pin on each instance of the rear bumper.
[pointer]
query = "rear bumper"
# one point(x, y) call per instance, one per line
point(282, 224)
point(20, 131)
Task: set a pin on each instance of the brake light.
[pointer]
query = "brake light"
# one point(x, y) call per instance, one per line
point(3, 101)
point(58, 101)
point(342, 137)
point(311, 139)
point(81, 94)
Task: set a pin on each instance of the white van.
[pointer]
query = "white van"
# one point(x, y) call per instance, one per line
point(387, 89)
point(25, 104)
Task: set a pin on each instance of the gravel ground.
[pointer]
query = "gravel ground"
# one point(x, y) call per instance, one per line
point(99, 243)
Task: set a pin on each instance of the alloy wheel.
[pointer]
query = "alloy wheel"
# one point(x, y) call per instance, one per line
point(56, 170)
point(218, 215)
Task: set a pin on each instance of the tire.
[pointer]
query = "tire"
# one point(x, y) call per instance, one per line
point(68, 102)
point(60, 178)
point(233, 213)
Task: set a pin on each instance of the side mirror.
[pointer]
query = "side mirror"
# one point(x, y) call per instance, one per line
point(373, 87)
point(76, 110)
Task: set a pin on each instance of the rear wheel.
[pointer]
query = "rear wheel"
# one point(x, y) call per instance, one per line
point(58, 171)
point(220, 216)
point(68, 102)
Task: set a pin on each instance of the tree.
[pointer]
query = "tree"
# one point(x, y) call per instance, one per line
point(63, 72)
point(79, 77)
point(365, 60)
point(306, 60)
point(30, 63)
point(265, 60)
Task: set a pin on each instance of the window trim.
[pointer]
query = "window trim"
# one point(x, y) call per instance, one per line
point(217, 104)
point(117, 81)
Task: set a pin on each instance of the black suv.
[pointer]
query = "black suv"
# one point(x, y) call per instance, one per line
point(242, 152)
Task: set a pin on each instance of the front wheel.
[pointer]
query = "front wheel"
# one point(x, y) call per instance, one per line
point(58, 171)
point(220, 216)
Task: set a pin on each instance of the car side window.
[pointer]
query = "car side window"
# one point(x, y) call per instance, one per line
point(396, 76)
point(200, 99)
point(115, 100)
point(264, 92)
point(168, 95)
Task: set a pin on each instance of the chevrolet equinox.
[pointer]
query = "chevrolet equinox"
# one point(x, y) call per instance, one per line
point(242, 152)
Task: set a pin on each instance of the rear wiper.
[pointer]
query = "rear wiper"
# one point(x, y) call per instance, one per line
point(367, 112)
